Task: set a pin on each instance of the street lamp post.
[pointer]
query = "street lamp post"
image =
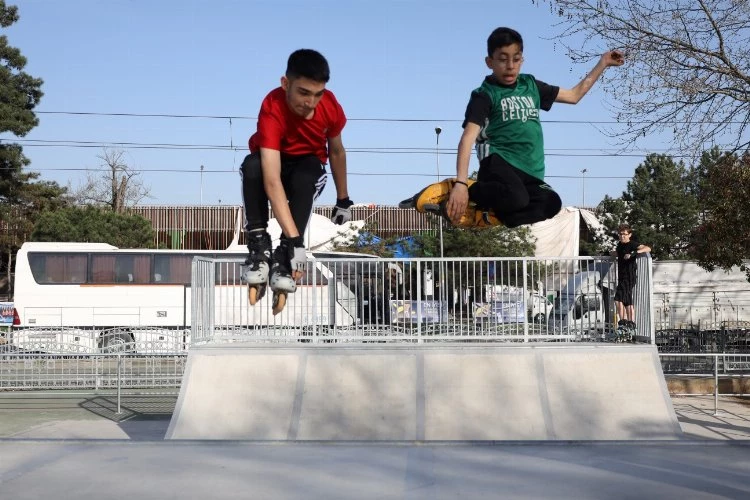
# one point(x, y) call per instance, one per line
point(441, 278)
point(437, 166)
point(583, 188)
point(201, 185)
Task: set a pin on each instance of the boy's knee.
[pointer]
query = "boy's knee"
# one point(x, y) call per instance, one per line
point(515, 201)
point(250, 168)
point(553, 205)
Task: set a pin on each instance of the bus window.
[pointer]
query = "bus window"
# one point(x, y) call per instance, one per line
point(172, 269)
point(123, 268)
point(58, 268)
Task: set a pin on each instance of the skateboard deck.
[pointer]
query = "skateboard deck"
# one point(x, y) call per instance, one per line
point(433, 198)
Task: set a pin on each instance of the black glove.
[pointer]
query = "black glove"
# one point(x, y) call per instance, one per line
point(342, 212)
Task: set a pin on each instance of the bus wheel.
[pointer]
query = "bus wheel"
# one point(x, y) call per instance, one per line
point(117, 342)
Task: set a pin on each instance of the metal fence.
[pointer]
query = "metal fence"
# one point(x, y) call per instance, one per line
point(118, 372)
point(367, 300)
point(35, 371)
point(724, 337)
point(80, 340)
point(416, 300)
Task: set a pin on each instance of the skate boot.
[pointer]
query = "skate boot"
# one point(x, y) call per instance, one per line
point(632, 331)
point(473, 217)
point(255, 269)
point(430, 197)
point(281, 280)
point(622, 331)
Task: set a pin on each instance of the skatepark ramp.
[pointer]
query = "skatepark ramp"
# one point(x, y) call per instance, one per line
point(448, 392)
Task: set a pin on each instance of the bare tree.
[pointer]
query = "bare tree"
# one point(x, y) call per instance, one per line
point(118, 187)
point(687, 69)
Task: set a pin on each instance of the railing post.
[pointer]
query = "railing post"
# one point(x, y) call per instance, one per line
point(526, 294)
point(716, 384)
point(419, 298)
point(313, 315)
point(119, 382)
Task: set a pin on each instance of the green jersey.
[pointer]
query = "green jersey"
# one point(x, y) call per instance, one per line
point(509, 121)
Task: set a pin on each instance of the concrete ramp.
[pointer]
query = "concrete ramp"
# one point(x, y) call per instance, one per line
point(424, 392)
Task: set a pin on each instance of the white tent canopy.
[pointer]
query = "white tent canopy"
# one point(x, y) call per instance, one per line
point(560, 235)
point(556, 237)
point(321, 234)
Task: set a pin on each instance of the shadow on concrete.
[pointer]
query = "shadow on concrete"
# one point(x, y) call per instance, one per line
point(142, 417)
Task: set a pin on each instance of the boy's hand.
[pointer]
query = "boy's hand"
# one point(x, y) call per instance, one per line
point(342, 211)
point(297, 257)
point(457, 202)
point(613, 58)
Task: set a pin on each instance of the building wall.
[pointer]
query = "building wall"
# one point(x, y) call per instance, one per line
point(213, 227)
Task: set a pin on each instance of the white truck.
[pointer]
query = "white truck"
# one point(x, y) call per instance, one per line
point(584, 305)
point(505, 304)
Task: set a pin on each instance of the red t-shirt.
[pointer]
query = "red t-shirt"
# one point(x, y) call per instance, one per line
point(280, 129)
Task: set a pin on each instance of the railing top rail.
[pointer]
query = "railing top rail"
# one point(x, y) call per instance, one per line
point(425, 259)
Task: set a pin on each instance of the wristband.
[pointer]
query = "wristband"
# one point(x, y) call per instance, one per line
point(461, 182)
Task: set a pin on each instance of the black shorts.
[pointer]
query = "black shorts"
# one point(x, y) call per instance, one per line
point(624, 292)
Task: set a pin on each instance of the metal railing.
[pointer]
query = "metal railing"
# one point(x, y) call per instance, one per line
point(708, 365)
point(414, 300)
point(35, 371)
point(366, 300)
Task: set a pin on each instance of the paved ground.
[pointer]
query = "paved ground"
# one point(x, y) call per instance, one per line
point(80, 445)
point(146, 417)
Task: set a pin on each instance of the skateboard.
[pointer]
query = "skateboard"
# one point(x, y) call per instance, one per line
point(433, 198)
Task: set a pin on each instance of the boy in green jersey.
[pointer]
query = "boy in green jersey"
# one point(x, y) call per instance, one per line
point(502, 118)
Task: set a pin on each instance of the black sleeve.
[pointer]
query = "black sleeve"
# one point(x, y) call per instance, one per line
point(547, 94)
point(478, 109)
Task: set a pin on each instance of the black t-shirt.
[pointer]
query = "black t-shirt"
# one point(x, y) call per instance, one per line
point(626, 268)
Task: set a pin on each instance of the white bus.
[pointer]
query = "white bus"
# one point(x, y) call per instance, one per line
point(89, 297)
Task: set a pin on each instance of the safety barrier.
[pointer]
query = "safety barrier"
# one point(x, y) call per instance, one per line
point(418, 300)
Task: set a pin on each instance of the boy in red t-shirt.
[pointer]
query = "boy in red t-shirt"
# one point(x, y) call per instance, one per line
point(299, 130)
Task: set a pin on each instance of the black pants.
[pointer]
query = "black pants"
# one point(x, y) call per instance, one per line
point(516, 197)
point(303, 179)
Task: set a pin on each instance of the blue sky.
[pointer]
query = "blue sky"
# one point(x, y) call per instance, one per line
point(400, 68)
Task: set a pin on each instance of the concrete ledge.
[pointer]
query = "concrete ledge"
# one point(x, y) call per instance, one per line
point(736, 384)
point(448, 392)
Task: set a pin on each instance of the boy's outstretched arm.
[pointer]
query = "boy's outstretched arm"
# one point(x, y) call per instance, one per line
point(337, 159)
point(572, 96)
point(341, 213)
point(459, 197)
point(270, 160)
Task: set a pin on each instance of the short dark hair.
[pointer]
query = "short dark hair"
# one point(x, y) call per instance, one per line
point(308, 63)
point(502, 37)
point(624, 228)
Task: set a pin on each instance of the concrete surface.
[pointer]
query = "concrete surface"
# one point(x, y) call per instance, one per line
point(84, 470)
point(62, 445)
point(444, 392)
